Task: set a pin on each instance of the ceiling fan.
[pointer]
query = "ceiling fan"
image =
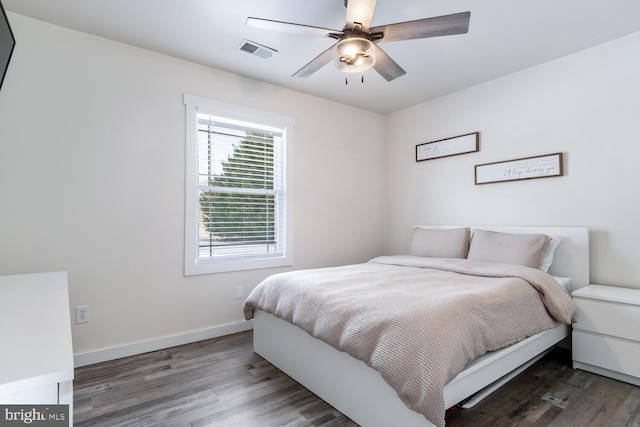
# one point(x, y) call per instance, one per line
point(357, 47)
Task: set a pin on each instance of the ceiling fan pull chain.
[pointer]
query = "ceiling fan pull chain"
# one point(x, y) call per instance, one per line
point(362, 78)
point(346, 79)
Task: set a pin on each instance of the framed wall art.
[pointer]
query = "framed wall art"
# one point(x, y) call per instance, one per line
point(453, 146)
point(545, 166)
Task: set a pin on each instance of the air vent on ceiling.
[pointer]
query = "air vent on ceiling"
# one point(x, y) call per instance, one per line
point(256, 49)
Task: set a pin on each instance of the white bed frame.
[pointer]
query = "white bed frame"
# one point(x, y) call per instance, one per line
point(359, 391)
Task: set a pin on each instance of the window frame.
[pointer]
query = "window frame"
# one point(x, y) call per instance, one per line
point(193, 265)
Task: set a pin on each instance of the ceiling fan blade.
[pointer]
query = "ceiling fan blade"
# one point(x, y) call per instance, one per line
point(318, 62)
point(387, 67)
point(289, 27)
point(457, 23)
point(360, 11)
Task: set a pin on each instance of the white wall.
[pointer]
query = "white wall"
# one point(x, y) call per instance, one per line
point(92, 181)
point(586, 105)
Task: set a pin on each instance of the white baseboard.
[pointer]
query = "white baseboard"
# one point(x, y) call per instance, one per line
point(113, 353)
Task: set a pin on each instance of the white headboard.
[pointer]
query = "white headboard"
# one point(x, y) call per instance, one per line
point(571, 258)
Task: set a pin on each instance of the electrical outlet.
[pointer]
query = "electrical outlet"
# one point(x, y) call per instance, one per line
point(82, 314)
point(238, 292)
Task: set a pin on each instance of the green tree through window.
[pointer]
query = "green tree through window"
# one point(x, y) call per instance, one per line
point(241, 207)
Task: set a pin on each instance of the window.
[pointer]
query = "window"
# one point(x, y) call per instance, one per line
point(238, 212)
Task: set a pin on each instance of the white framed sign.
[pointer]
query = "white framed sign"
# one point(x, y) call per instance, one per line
point(453, 146)
point(545, 166)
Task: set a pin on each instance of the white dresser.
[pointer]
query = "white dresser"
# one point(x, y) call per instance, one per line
point(606, 336)
point(36, 356)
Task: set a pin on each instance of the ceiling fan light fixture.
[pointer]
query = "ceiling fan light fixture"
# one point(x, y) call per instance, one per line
point(354, 55)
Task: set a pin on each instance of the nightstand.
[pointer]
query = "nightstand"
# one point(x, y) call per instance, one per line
point(606, 335)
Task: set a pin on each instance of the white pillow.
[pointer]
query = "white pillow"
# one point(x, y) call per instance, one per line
point(565, 283)
point(547, 259)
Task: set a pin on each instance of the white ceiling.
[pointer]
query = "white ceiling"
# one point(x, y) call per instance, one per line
point(504, 36)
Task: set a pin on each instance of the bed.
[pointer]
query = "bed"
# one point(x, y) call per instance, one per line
point(361, 392)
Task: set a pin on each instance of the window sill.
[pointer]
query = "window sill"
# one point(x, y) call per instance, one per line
point(226, 266)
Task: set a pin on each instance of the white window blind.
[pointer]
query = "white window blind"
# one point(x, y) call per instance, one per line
point(240, 188)
point(238, 213)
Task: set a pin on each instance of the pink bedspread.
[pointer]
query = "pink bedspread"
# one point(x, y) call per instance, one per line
point(418, 321)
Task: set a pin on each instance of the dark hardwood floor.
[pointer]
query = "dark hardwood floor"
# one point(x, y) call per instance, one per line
point(221, 382)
